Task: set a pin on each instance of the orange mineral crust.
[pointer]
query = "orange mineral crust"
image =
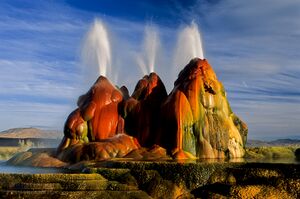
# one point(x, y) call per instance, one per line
point(197, 118)
point(97, 115)
point(115, 147)
point(100, 108)
point(193, 121)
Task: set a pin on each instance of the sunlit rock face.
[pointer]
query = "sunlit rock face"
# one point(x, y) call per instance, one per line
point(193, 121)
point(75, 130)
point(142, 110)
point(114, 147)
point(197, 119)
point(96, 117)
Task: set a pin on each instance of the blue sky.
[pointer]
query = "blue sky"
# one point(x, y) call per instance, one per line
point(254, 47)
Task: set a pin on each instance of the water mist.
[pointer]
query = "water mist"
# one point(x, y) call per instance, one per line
point(96, 52)
point(189, 46)
point(97, 58)
point(146, 60)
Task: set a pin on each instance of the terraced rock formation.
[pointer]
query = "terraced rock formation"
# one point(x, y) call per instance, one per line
point(170, 180)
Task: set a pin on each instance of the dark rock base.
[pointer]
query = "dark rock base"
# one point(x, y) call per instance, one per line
point(65, 186)
point(129, 179)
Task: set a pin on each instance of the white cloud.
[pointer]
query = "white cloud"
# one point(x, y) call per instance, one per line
point(29, 114)
point(38, 79)
point(267, 119)
point(253, 43)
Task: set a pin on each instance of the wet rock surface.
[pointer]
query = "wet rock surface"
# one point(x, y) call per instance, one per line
point(37, 157)
point(193, 121)
point(165, 179)
point(122, 147)
point(197, 118)
point(96, 117)
point(115, 147)
point(65, 186)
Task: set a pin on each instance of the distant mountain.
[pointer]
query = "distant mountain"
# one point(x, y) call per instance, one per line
point(30, 133)
point(285, 142)
point(278, 142)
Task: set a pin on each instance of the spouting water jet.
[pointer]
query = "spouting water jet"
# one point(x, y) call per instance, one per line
point(146, 60)
point(188, 46)
point(96, 52)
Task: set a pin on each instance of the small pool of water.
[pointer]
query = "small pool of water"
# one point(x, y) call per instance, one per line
point(28, 170)
point(274, 160)
point(204, 161)
point(4, 168)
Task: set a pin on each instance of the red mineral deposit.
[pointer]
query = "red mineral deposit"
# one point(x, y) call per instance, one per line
point(142, 110)
point(96, 117)
point(197, 118)
point(193, 121)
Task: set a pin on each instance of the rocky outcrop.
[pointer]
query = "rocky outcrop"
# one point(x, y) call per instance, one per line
point(75, 186)
point(193, 121)
point(197, 118)
point(142, 110)
point(119, 146)
point(96, 117)
point(144, 179)
point(122, 178)
point(37, 157)
point(115, 147)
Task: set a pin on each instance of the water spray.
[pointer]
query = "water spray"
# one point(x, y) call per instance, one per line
point(96, 51)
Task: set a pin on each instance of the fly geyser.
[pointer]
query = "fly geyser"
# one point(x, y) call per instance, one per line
point(193, 121)
point(196, 116)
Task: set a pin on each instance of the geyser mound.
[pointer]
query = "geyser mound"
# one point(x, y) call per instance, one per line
point(96, 117)
point(197, 118)
point(194, 120)
point(142, 110)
